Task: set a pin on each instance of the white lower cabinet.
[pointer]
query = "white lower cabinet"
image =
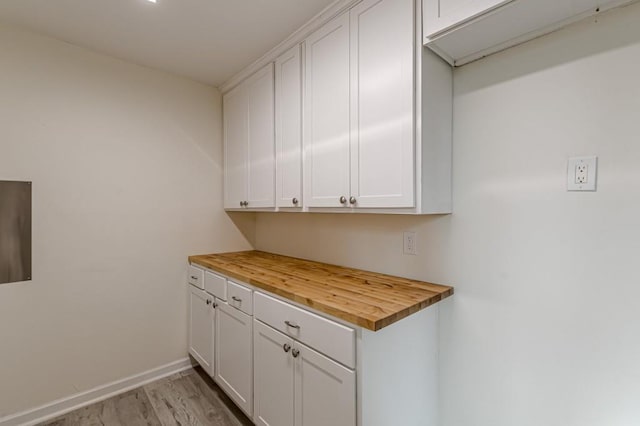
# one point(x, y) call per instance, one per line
point(313, 390)
point(273, 369)
point(325, 391)
point(285, 365)
point(234, 355)
point(201, 321)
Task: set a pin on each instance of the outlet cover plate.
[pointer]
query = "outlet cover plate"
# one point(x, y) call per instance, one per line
point(410, 243)
point(582, 173)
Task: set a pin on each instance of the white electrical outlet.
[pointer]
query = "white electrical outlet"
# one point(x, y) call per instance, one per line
point(410, 243)
point(582, 173)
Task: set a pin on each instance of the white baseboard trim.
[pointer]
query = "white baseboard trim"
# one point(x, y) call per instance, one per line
point(100, 393)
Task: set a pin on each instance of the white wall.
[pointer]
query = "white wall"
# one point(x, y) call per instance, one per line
point(126, 171)
point(544, 328)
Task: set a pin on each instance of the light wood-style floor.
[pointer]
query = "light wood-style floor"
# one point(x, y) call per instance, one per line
point(187, 398)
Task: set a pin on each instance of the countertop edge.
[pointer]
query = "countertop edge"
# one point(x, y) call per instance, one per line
point(372, 325)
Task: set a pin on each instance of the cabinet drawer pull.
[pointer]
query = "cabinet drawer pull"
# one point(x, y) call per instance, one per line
point(286, 347)
point(193, 277)
point(236, 299)
point(292, 325)
point(295, 353)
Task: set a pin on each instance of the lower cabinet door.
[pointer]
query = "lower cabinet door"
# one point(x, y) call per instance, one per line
point(234, 355)
point(273, 376)
point(201, 319)
point(325, 391)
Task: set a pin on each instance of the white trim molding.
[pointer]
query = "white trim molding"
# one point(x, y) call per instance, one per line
point(330, 12)
point(65, 405)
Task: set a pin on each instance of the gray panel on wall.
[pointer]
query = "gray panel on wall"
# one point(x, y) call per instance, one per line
point(15, 231)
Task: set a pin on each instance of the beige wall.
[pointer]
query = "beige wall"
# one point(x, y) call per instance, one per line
point(544, 326)
point(126, 165)
point(126, 170)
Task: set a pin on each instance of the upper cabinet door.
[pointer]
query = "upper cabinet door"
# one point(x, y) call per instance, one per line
point(236, 137)
point(382, 137)
point(261, 146)
point(289, 129)
point(326, 128)
point(440, 15)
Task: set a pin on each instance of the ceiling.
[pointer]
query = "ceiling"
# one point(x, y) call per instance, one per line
point(205, 40)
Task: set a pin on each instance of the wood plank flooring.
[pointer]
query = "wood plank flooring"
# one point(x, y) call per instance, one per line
point(186, 398)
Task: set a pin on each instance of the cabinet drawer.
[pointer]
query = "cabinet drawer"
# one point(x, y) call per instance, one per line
point(216, 285)
point(240, 297)
point(195, 276)
point(332, 339)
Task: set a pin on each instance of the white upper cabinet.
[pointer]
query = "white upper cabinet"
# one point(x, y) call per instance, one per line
point(359, 115)
point(464, 30)
point(382, 138)
point(363, 115)
point(261, 140)
point(326, 125)
point(236, 138)
point(288, 69)
point(249, 142)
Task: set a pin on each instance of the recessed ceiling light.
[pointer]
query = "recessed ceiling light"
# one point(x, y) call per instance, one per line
point(152, 1)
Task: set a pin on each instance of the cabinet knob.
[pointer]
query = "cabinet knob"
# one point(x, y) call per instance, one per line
point(208, 301)
point(246, 203)
point(241, 203)
point(193, 277)
point(215, 305)
point(343, 199)
point(286, 347)
point(352, 200)
point(294, 201)
point(295, 353)
point(289, 324)
point(237, 299)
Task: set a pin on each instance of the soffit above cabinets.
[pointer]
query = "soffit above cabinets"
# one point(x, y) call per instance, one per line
point(204, 40)
point(462, 31)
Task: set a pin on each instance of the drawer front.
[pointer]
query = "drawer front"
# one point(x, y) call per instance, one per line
point(216, 285)
point(332, 339)
point(240, 297)
point(195, 276)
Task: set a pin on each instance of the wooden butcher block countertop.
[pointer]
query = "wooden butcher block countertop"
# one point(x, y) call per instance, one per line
point(367, 299)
